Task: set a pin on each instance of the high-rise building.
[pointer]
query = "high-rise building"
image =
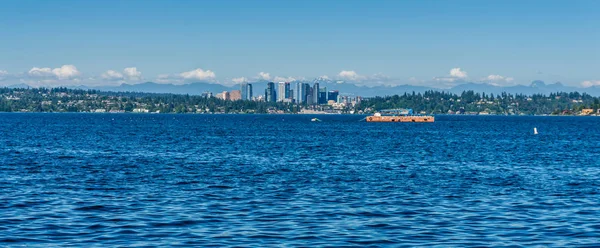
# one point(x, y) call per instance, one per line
point(333, 95)
point(309, 99)
point(283, 91)
point(246, 89)
point(323, 95)
point(250, 95)
point(345, 99)
point(315, 93)
point(300, 93)
point(270, 95)
point(243, 89)
point(235, 95)
point(307, 91)
point(224, 95)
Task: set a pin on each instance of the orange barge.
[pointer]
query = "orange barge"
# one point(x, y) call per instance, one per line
point(402, 115)
point(400, 119)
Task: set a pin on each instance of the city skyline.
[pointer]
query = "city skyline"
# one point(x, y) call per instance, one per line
point(426, 43)
point(300, 93)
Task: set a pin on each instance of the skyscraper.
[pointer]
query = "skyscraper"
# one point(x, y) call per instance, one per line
point(243, 89)
point(315, 93)
point(246, 91)
point(323, 95)
point(333, 95)
point(300, 95)
point(270, 92)
point(306, 93)
point(250, 92)
point(280, 91)
point(283, 91)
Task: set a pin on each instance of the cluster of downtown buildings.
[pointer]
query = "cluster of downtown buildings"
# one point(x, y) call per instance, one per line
point(301, 93)
point(286, 92)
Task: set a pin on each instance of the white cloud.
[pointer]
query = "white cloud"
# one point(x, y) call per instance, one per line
point(379, 77)
point(40, 72)
point(62, 73)
point(112, 75)
point(445, 79)
point(66, 72)
point(264, 76)
point(349, 75)
point(267, 76)
point(131, 73)
point(193, 75)
point(3, 74)
point(497, 79)
point(284, 79)
point(198, 74)
point(590, 83)
point(365, 80)
point(458, 73)
point(239, 80)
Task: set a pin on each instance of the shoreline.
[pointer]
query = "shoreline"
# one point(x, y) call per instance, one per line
point(134, 113)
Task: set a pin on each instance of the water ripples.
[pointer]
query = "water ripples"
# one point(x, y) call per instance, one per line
point(197, 180)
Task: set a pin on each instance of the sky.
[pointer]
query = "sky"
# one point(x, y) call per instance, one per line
point(437, 43)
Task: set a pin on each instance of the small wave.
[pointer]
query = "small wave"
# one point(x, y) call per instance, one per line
point(219, 187)
point(92, 208)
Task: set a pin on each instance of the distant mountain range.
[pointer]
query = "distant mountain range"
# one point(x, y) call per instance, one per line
point(345, 88)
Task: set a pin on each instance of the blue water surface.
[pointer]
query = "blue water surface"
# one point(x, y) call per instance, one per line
point(268, 180)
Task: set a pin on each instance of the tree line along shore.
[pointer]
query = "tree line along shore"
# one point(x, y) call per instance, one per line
point(429, 102)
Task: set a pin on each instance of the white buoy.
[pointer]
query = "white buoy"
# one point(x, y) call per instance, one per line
point(535, 130)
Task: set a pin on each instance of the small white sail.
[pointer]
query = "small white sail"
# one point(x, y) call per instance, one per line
point(535, 130)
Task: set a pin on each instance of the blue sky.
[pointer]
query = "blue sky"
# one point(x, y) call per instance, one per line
point(371, 42)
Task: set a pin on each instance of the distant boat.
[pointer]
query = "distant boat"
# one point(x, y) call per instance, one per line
point(315, 120)
point(535, 130)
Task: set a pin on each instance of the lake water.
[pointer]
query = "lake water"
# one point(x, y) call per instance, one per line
point(268, 180)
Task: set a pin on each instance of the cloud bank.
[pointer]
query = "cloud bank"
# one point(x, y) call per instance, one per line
point(62, 73)
point(455, 74)
point(264, 76)
point(590, 83)
point(498, 80)
point(130, 74)
point(349, 75)
point(69, 75)
point(3, 74)
point(239, 80)
point(198, 74)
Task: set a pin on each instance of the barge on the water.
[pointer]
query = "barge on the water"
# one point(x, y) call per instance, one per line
point(399, 115)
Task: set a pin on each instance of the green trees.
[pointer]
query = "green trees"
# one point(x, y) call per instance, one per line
point(436, 102)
